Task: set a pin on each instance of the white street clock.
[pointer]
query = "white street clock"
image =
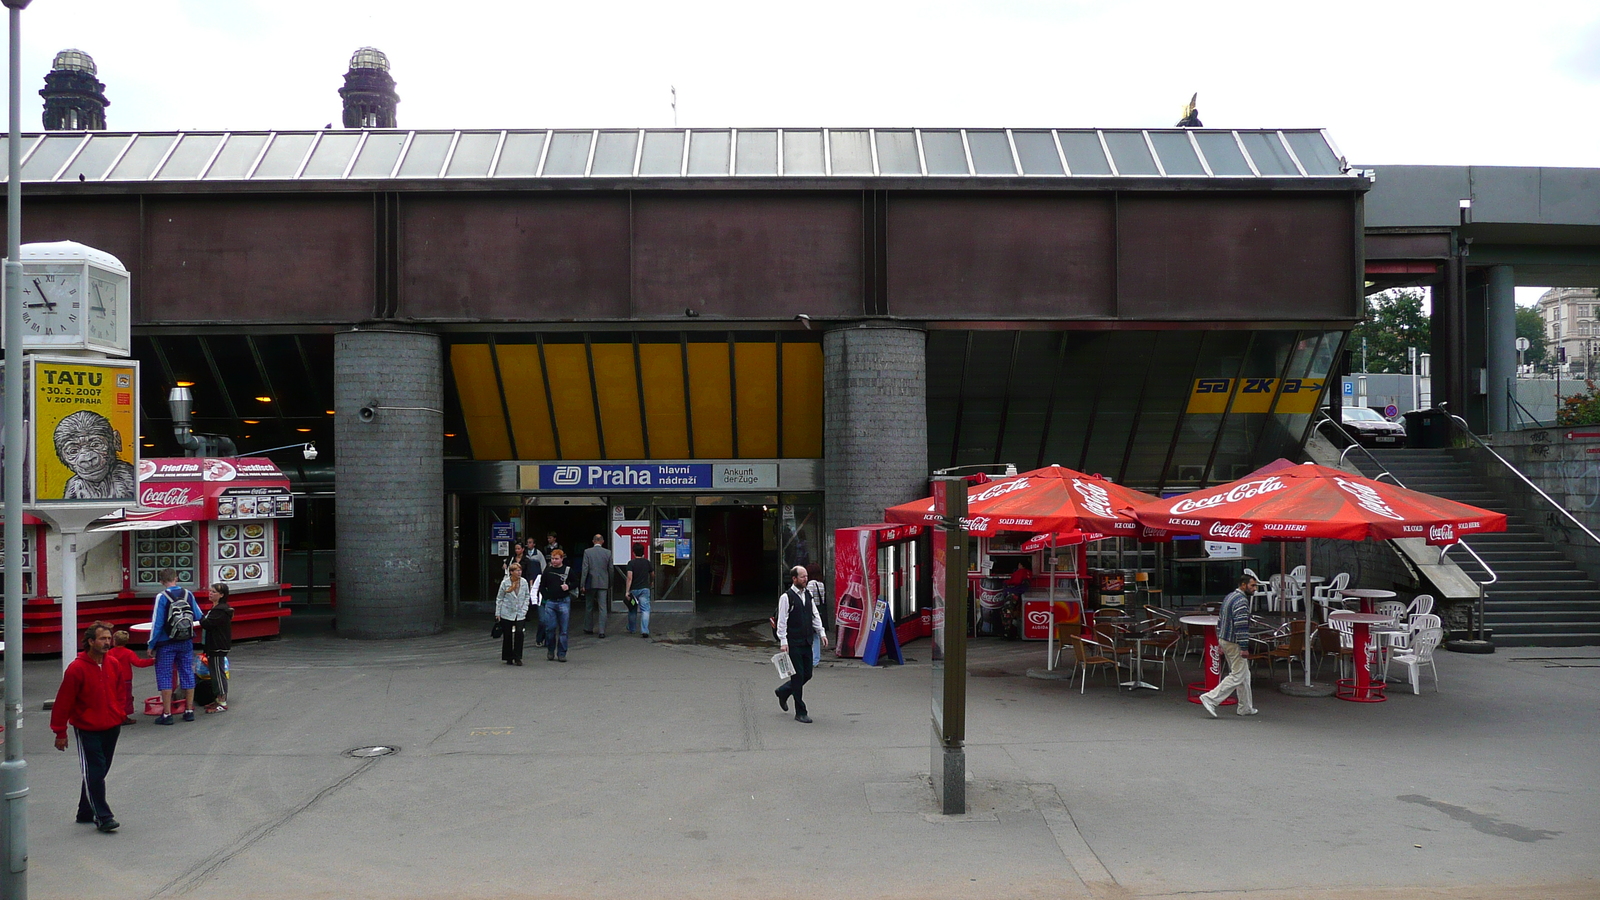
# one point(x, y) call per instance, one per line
point(74, 297)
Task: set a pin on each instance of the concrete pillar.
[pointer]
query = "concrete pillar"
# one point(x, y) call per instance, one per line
point(389, 438)
point(875, 421)
point(1500, 333)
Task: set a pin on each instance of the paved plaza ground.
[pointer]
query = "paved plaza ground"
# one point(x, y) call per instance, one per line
point(664, 768)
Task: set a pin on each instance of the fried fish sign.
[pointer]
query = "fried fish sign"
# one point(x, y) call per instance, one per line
point(85, 430)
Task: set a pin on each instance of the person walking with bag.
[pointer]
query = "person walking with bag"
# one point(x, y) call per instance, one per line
point(555, 590)
point(511, 611)
point(217, 640)
point(798, 624)
point(640, 573)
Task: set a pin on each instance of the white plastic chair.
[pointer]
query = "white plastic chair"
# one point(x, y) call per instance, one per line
point(1418, 655)
point(1283, 594)
point(1401, 640)
point(1330, 591)
point(1422, 603)
point(1394, 609)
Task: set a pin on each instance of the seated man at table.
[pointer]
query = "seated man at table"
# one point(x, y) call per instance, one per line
point(1233, 629)
point(1019, 582)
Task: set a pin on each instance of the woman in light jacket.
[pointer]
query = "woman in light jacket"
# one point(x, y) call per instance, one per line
point(511, 611)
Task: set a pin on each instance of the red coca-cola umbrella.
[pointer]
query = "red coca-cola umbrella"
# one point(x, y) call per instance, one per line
point(1052, 499)
point(1312, 501)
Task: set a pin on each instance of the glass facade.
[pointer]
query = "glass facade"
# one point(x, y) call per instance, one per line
point(1156, 410)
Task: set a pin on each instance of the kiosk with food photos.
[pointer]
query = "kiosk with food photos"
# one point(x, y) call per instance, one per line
point(224, 516)
point(209, 520)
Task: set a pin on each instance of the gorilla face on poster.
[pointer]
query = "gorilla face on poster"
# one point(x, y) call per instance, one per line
point(86, 443)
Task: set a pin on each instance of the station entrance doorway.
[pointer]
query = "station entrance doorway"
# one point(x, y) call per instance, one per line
point(708, 549)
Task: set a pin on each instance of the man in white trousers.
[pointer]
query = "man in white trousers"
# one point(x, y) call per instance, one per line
point(1233, 628)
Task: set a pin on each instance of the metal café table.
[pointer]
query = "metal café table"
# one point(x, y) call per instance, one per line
point(1360, 689)
point(1212, 667)
point(1367, 597)
point(1138, 638)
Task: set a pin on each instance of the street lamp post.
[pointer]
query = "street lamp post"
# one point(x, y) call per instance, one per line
point(13, 770)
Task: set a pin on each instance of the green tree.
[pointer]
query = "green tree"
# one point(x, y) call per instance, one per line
point(1530, 325)
point(1395, 321)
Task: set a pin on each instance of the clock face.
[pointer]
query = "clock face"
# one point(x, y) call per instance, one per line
point(52, 302)
point(102, 310)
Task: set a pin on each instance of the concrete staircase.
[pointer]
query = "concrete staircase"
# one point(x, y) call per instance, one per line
point(1542, 598)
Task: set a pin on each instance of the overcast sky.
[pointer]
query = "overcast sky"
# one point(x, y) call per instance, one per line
point(1400, 81)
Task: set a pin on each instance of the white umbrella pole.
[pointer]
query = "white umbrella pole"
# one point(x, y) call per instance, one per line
point(1307, 596)
point(1050, 639)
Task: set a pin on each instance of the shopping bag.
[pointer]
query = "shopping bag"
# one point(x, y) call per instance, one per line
point(785, 665)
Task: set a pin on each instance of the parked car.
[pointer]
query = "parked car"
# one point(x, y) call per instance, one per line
point(1369, 428)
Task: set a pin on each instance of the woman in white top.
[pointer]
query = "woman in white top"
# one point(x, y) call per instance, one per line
point(511, 611)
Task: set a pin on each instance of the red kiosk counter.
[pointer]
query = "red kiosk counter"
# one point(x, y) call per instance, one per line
point(208, 519)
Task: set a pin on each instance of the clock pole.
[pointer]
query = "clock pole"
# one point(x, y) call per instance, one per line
point(13, 770)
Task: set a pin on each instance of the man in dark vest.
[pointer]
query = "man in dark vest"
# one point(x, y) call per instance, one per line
point(798, 624)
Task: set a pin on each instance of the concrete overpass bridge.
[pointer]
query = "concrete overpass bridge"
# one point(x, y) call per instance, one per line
point(1473, 234)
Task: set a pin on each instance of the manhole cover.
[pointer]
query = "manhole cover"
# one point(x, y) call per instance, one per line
point(366, 752)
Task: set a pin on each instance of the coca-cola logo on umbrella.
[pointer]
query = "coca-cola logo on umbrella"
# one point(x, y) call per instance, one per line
point(1442, 534)
point(1368, 499)
point(1000, 490)
point(1234, 530)
point(1095, 498)
point(1242, 491)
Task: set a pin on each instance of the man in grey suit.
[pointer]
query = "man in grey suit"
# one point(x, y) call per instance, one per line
point(596, 582)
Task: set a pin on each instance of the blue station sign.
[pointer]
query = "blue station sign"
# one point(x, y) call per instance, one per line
point(604, 477)
point(660, 476)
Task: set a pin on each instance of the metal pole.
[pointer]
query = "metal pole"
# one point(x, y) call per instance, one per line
point(69, 597)
point(1305, 595)
point(1050, 639)
point(13, 771)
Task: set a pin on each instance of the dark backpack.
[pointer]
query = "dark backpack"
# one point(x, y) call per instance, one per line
point(180, 617)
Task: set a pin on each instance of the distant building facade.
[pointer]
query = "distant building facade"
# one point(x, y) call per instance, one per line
point(1571, 327)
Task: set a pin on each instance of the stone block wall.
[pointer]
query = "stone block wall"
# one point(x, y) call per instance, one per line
point(1566, 468)
point(390, 500)
point(875, 423)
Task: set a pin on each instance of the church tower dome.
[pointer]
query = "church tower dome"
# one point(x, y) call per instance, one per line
point(368, 92)
point(74, 99)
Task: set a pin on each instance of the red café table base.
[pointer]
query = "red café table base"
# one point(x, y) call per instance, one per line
point(1360, 689)
point(1212, 670)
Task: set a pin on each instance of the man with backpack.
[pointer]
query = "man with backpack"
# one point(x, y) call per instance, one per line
point(172, 624)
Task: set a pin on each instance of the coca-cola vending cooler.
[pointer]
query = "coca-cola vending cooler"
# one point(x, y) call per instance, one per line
point(872, 563)
point(223, 526)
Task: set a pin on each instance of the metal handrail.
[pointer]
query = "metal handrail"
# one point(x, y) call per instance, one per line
point(1467, 429)
point(1523, 413)
point(1493, 576)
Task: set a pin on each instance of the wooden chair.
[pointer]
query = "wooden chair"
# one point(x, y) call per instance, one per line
point(1290, 648)
point(1065, 632)
point(1089, 654)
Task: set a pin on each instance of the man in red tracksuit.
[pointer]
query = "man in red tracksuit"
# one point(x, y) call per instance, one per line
point(90, 700)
